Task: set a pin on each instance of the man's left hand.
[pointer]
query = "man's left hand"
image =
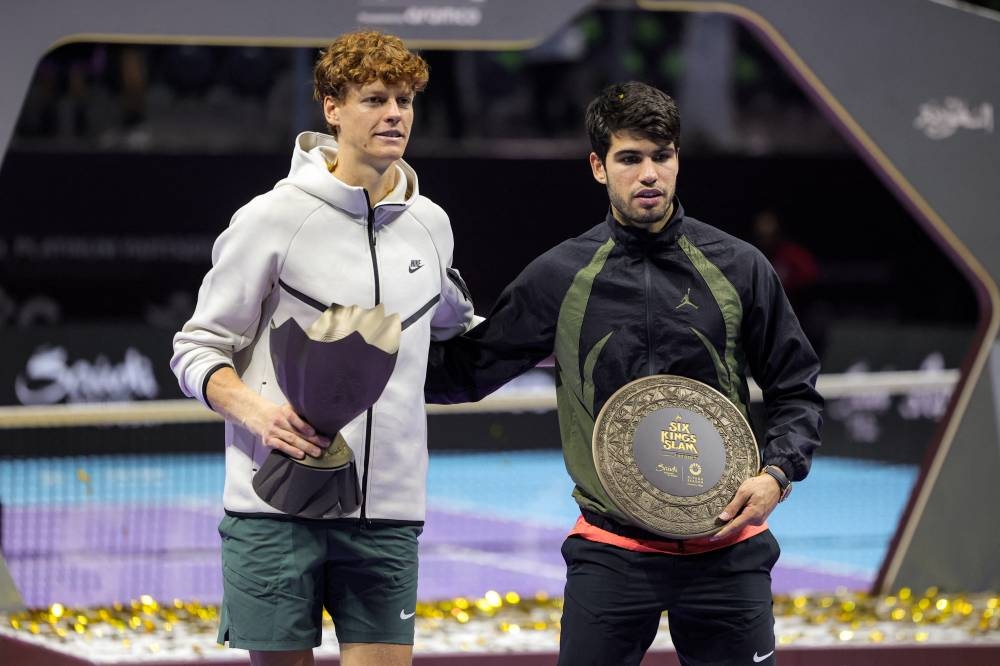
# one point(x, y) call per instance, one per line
point(754, 501)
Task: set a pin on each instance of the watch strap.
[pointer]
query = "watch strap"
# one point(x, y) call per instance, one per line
point(776, 473)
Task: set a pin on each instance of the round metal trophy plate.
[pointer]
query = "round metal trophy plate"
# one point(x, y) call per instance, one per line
point(671, 453)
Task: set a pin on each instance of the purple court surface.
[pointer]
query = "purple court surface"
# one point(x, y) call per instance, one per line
point(119, 553)
point(95, 530)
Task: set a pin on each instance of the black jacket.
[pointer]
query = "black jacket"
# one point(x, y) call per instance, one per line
point(618, 303)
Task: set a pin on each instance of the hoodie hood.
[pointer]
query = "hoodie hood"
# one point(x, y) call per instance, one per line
point(310, 173)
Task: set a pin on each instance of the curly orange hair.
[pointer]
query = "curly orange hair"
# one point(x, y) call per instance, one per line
point(361, 57)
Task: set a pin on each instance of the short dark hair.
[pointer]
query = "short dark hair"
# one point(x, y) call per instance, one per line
point(632, 107)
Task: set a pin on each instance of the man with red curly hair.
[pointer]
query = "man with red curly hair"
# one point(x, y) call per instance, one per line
point(347, 227)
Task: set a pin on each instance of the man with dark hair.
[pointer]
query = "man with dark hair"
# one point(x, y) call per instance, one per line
point(347, 227)
point(652, 291)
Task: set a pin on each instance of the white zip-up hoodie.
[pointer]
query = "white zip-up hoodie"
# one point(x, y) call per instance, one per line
point(310, 242)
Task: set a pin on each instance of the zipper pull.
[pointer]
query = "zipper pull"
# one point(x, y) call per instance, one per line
point(371, 219)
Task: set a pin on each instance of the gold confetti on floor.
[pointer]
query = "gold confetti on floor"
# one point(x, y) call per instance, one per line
point(497, 622)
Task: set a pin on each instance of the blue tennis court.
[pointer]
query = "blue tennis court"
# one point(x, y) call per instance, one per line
point(97, 529)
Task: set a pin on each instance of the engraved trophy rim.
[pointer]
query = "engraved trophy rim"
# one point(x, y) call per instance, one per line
point(643, 504)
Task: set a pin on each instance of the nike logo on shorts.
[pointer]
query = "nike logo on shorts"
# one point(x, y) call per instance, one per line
point(759, 658)
point(403, 615)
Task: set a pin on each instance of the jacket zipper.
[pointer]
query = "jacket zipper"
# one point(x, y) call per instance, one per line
point(649, 319)
point(371, 410)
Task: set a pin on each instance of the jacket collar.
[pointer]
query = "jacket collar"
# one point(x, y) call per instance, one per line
point(310, 172)
point(637, 240)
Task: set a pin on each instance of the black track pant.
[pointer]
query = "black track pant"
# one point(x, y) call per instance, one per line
point(718, 604)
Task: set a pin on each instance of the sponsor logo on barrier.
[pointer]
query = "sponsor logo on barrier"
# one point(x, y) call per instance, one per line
point(50, 377)
point(861, 415)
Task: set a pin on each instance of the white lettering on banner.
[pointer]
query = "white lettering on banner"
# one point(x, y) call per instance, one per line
point(930, 404)
point(379, 18)
point(860, 414)
point(38, 309)
point(188, 249)
point(940, 121)
point(467, 17)
point(464, 16)
point(50, 378)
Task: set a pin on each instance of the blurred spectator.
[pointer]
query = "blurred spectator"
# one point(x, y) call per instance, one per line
point(82, 90)
point(444, 103)
point(794, 264)
point(133, 78)
point(548, 67)
point(796, 268)
point(250, 70)
point(59, 102)
point(204, 98)
point(189, 70)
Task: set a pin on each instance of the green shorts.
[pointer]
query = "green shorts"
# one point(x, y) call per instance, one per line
point(278, 575)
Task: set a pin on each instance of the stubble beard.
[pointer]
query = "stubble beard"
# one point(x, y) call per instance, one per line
point(643, 219)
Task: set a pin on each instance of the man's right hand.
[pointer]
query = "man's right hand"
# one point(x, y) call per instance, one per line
point(281, 428)
point(278, 426)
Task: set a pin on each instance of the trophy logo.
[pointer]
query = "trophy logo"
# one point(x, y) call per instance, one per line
point(678, 439)
point(671, 452)
point(669, 470)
